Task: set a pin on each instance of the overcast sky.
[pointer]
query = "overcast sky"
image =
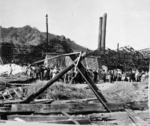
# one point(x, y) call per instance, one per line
point(128, 21)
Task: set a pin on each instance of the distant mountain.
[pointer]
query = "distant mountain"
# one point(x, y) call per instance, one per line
point(32, 36)
point(29, 44)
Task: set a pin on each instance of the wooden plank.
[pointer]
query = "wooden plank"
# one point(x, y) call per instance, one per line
point(144, 113)
point(57, 56)
point(81, 121)
point(16, 112)
point(20, 85)
point(70, 108)
point(92, 85)
point(94, 88)
point(4, 114)
point(113, 118)
point(73, 120)
point(33, 118)
point(133, 117)
point(142, 105)
point(119, 116)
point(3, 102)
point(42, 101)
point(50, 119)
point(37, 93)
point(86, 100)
point(15, 123)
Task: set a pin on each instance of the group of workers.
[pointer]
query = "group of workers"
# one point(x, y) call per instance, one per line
point(46, 73)
point(130, 76)
point(73, 76)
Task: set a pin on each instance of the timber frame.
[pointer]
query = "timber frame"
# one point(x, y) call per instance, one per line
point(85, 75)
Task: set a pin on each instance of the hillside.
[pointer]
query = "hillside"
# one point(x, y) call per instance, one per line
point(31, 36)
point(30, 45)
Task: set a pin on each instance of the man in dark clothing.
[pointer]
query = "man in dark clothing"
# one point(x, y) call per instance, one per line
point(104, 76)
point(95, 76)
point(41, 72)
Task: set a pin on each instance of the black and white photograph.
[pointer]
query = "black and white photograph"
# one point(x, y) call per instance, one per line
point(74, 62)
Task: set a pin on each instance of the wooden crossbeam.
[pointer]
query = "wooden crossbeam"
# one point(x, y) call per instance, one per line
point(70, 108)
point(66, 114)
point(91, 83)
point(82, 70)
point(37, 93)
point(137, 121)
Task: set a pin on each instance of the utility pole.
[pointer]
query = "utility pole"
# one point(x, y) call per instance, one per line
point(47, 31)
point(117, 56)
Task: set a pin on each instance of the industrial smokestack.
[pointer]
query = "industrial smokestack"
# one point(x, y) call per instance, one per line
point(117, 47)
point(0, 33)
point(103, 32)
point(47, 30)
point(100, 34)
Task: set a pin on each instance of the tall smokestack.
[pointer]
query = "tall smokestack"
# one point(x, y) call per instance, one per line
point(100, 34)
point(47, 30)
point(103, 32)
point(0, 33)
point(117, 47)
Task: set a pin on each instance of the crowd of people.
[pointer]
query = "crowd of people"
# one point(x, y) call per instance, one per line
point(73, 76)
point(130, 76)
point(46, 73)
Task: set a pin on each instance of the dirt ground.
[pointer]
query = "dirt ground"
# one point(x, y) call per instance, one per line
point(113, 92)
point(117, 91)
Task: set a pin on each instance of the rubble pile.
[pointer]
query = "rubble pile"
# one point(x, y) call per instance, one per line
point(59, 91)
point(127, 92)
point(64, 103)
point(12, 69)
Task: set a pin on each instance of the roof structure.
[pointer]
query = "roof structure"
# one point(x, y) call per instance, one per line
point(145, 52)
point(126, 57)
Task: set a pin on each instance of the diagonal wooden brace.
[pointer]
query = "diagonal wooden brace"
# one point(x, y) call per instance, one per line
point(42, 89)
point(66, 114)
point(92, 85)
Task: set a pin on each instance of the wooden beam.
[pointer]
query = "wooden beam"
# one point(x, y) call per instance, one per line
point(86, 100)
point(57, 56)
point(133, 117)
point(92, 85)
point(70, 108)
point(82, 70)
point(95, 89)
point(15, 123)
point(104, 118)
point(120, 117)
point(4, 102)
point(37, 93)
point(73, 120)
point(38, 118)
point(81, 121)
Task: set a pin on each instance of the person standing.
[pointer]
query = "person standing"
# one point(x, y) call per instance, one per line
point(11, 70)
